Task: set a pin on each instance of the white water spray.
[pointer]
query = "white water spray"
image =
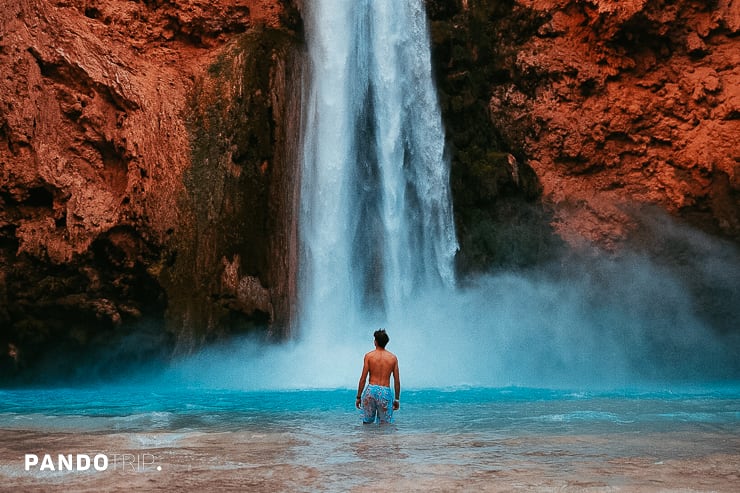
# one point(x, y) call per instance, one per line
point(376, 216)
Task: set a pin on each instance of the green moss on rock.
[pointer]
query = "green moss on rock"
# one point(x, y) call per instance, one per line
point(225, 213)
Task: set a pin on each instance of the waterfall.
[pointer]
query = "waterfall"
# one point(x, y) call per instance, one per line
point(377, 245)
point(376, 223)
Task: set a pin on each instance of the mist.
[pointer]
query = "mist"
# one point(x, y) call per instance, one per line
point(590, 321)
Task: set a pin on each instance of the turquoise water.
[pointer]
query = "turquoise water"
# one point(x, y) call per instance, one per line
point(499, 411)
point(464, 439)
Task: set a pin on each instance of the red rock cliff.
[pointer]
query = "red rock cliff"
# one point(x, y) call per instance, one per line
point(617, 103)
point(95, 152)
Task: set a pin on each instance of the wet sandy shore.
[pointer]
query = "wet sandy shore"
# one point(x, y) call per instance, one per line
point(373, 459)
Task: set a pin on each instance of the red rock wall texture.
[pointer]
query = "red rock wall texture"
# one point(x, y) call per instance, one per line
point(92, 101)
point(617, 103)
point(93, 151)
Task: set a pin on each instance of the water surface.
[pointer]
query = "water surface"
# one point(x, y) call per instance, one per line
point(443, 439)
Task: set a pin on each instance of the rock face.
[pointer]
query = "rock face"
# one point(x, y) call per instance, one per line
point(147, 153)
point(96, 175)
point(236, 245)
point(612, 104)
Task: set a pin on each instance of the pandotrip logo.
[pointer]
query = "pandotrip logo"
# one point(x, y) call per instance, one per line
point(97, 462)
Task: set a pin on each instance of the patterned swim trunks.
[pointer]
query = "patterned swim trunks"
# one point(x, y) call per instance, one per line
point(377, 403)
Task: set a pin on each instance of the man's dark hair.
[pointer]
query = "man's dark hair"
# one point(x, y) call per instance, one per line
point(381, 337)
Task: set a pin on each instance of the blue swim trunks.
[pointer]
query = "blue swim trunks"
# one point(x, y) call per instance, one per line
point(377, 403)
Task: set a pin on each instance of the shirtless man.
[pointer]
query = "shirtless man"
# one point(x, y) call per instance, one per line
point(376, 399)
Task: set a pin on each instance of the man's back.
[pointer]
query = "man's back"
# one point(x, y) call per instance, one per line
point(381, 364)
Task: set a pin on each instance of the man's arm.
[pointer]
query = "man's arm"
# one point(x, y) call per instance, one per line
point(363, 379)
point(396, 386)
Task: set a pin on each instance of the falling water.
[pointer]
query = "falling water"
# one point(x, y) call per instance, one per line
point(376, 216)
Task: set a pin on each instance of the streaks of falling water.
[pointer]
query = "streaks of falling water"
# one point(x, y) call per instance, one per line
point(376, 219)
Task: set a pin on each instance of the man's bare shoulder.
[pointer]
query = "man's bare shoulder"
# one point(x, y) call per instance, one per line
point(381, 351)
point(388, 356)
point(378, 355)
